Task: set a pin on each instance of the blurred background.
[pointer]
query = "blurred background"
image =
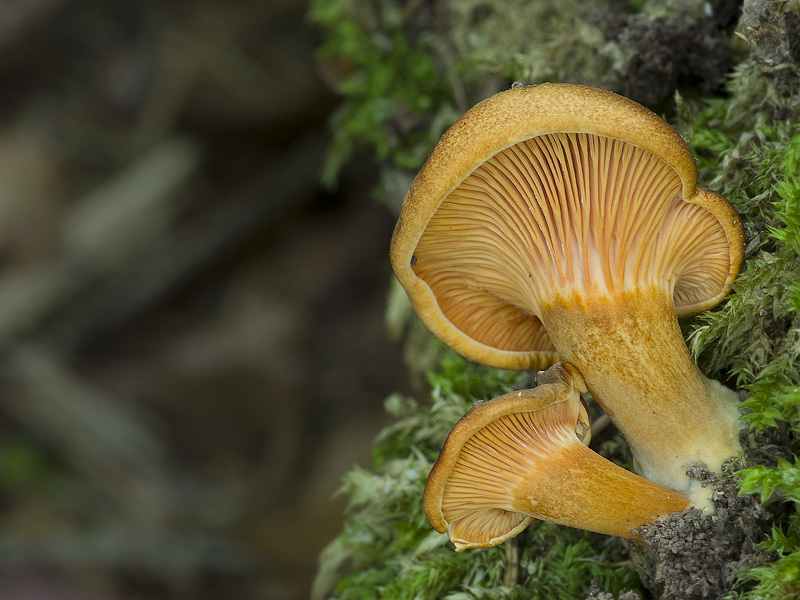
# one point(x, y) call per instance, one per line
point(191, 325)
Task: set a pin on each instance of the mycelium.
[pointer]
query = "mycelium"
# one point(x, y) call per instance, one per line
point(524, 455)
point(563, 222)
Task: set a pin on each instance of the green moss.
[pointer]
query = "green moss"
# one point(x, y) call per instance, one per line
point(383, 78)
point(781, 578)
point(406, 71)
point(408, 76)
point(389, 550)
point(755, 337)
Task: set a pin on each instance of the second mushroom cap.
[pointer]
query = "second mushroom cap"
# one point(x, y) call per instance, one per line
point(523, 456)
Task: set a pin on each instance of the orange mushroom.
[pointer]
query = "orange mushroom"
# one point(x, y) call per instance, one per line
point(563, 222)
point(523, 456)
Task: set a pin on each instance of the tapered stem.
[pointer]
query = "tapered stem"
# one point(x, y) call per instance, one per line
point(585, 490)
point(631, 353)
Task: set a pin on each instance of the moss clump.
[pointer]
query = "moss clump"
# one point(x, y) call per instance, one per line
point(388, 81)
point(755, 338)
point(389, 550)
point(407, 70)
point(748, 147)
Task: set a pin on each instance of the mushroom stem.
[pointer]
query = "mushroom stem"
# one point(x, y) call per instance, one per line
point(633, 358)
point(590, 492)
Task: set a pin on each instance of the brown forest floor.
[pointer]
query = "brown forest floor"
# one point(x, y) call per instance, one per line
point(192, 330)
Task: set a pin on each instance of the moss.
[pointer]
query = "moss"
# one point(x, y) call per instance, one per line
point(755, 337)
point(733, 96)
point(387, 548)
point(407, 70)
point(389, 83)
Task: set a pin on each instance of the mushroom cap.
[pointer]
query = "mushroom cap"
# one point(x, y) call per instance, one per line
point(475, 505)
point(524, 456)
point(542, 190)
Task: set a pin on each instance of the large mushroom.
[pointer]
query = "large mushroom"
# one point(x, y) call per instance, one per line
point(563, 222)
point(523, 456)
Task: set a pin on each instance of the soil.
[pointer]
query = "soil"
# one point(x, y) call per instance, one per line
point(692, 556)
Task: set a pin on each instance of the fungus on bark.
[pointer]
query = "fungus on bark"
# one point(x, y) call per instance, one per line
point(563, 222)
point(524, 455)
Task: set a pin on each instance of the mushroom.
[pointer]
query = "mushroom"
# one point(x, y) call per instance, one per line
point(563, 222)
point(524, 455)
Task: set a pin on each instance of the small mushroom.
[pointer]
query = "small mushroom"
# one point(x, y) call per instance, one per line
point(523, 456)
point(563, 222)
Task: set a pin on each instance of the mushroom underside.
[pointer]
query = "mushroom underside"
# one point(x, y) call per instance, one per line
point(565, 212)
